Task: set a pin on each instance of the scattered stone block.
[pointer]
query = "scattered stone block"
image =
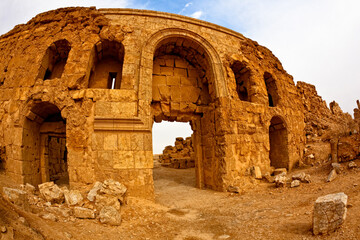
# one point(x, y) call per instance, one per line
point(352, 165)
point(94, 191)
point(49, 216)
point(84, 213)
point(16, 196)
point(268, 177)
point(299, 176)
point(72, 197)
point(256, 172)
point(280, 180)
point(233, 189)
point(103, 200)
point(111, 193)
point(337, 167)
point(295, 183)
point(307, 179)
point(332, 176)
point(278, 171)
point(302, 177)
point(114, 188)
point(3, 229)
point(329, 213)
point(30, 189)
point(110, 215)
point(225, 236)
point(63, 212)
point(51, 192)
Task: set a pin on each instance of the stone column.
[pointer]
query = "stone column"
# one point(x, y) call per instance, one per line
point(334, 150)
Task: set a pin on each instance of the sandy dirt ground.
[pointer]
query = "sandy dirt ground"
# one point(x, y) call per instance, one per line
point(183, 212)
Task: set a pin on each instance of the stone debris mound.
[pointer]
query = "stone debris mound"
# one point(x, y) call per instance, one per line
point(179, 156)
point(103, 201)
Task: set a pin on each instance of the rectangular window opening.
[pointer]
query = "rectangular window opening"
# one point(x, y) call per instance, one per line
point(112, 80)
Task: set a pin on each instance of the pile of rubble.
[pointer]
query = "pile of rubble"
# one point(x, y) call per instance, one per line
point(330, 133)
point(179, 156)
point(279, 177)
point(282, 180)
point(323, 122)
point(103, 201)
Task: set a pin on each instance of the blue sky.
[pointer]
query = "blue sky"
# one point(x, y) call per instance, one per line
point(317, 41)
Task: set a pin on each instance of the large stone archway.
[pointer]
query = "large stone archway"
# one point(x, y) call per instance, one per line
point(186, 81)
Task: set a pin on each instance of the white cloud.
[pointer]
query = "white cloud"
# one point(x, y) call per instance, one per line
point(197, 14)
point(317, 41)
point(185, 7)
point(188, 4)
point(13, 12)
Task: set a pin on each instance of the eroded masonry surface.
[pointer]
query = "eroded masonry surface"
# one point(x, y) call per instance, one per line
point(80, 89)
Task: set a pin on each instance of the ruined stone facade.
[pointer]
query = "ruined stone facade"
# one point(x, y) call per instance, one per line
point(181, 155)
point(98, 79)
point(330, 133)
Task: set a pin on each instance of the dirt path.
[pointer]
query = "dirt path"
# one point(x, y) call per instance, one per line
point(183, 212)
point(263, 212)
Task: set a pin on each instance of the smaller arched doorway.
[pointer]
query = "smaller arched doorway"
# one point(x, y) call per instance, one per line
point(44, 145)
point(278, 137)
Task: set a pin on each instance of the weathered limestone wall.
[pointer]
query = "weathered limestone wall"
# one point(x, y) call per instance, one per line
point(166, 67)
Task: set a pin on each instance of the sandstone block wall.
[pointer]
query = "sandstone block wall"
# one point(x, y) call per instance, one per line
point(108, 74)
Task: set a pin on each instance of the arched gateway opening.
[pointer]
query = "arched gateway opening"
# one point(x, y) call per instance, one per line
point(44, 145)
point(182, 90)
point(278, 136)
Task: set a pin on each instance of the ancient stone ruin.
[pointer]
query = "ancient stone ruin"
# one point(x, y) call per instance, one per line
point(80, 89)
point(330, 133)
point(179, 156)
